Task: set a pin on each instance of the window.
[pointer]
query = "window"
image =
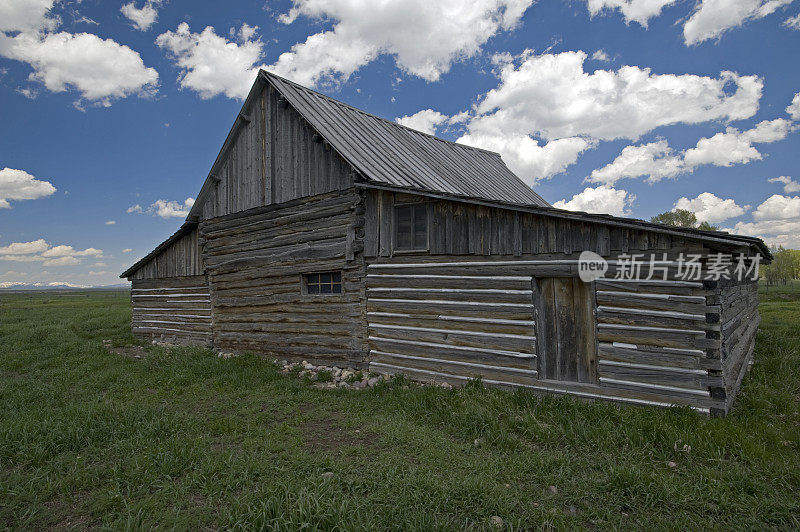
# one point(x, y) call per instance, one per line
point(411, 227)
point(323, 283)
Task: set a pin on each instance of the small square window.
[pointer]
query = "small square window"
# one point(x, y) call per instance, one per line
point(322, 283)
point(411, 227)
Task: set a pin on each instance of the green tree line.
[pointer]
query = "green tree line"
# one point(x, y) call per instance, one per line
point(785, 264)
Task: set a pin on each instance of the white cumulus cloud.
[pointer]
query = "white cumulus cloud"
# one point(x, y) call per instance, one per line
point(710, 208)
point(20, 185)
point(793, 22)
point(600, 200)
point(656, 160)
point(27, 15)
point(712, 18)
point(47, 255)
point(211, 64)
point(142, 18)
point(794, 108)
point(734, 147)
point(425, 38)
point(25, 248)
point(776, 220)
point(526, 157)
point(552, 95)
point(62, 261)
point(778, 207)
point(426, 121)
point(789, 184)
point(69, 251)
point(101, 70)
point(171, 209)
point(633, 10)
point(552, 98)
point(165, 208)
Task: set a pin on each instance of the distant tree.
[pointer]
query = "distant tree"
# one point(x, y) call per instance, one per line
point(676, 218)
point(705, 226)
point(682, 218)
point(785, 266)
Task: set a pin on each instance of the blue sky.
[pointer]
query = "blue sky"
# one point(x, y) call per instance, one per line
point(114, 111)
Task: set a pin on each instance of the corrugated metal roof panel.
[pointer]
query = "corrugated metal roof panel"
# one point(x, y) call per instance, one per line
point(386, 152)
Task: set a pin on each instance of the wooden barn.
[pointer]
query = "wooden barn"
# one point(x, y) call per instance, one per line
point(327, 234)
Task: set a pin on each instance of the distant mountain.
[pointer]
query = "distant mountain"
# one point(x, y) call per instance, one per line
point(12, 285)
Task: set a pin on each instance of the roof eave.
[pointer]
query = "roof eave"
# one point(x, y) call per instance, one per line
point(630, 223)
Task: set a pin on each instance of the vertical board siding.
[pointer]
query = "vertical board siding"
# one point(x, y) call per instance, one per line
point(458, 228)
point(174, 310)
point(179, 259)
point(255, 261)
point(276, 157)
point(566, 331)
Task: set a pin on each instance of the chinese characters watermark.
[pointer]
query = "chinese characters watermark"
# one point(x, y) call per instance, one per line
point(685, 267)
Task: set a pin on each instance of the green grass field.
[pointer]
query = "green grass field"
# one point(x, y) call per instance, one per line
point(183, 439)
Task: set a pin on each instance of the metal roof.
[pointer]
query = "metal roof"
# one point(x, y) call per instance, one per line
point(392, 154)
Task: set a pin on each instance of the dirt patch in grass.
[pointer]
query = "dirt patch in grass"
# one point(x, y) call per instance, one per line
point(328, 434)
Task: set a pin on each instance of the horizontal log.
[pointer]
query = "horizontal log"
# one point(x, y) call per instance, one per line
point(581, 390)
point(282, 223)
point(651, 355)
point(448, 281)
point(522, 297)
point(275, 340)
point(482, 340)
point(300, 204)
point(651, 318)
point(660, 375)
point(654, 336)
point(169, 282)
point(303, 253)
point(455, 367)
point(661, 302)
point(659, 388)
point(170, 331)
point(494, 357)
point(461, 323)
point(267, 243)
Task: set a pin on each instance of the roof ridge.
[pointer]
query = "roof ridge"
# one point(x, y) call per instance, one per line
point(363, 112)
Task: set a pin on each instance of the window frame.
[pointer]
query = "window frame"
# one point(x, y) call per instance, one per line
point(319, 284)
point(424, 206)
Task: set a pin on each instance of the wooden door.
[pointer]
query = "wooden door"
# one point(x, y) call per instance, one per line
point(565, 329)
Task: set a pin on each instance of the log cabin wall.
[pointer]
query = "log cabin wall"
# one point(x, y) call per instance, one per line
point(739, 320)
point(471, 305)
point(172, 309)
point(276, 157)
point(256, 260)
point(169, 295)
